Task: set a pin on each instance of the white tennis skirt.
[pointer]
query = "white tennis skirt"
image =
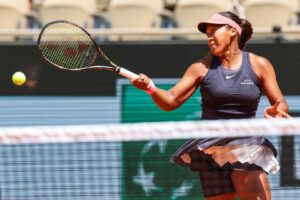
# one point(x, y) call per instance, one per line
point(251, 150)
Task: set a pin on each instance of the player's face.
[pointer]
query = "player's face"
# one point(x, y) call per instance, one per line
point(218, 38)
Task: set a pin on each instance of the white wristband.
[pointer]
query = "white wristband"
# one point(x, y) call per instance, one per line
point(152, 88)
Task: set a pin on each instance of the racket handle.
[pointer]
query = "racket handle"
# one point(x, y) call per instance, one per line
point(126, 73)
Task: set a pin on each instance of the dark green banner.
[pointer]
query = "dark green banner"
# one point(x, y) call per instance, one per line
point(147, 170)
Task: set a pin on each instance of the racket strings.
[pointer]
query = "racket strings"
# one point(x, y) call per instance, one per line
point(67, 46)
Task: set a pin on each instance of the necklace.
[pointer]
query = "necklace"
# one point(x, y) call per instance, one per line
point(230, 53)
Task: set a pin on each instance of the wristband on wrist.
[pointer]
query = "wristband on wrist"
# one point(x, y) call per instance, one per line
point(152, 88)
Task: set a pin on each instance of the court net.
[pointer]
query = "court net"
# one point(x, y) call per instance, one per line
point(129, 161)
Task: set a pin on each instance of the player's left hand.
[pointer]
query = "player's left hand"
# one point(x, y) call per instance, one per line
point(275, 112)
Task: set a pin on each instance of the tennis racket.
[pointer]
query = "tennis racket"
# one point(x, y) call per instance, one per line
point(68, 46)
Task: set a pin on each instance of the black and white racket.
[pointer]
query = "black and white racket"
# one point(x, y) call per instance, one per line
point(68, 46)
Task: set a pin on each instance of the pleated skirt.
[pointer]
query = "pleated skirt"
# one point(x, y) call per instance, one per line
point(236, 153)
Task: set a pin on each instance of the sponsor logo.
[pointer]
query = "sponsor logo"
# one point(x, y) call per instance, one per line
point(149, 180)
point(247, 82)
point(229, 77)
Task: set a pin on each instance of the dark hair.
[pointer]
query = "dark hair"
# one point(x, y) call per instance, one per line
point(244, 24)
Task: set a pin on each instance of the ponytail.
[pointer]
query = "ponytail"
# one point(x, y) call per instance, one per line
point(246, 26)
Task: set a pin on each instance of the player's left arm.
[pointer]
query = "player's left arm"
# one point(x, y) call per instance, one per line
point(269, 84)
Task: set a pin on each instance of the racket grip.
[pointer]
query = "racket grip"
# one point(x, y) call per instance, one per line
point(126, 73)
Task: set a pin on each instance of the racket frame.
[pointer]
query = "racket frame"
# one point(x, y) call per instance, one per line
point(113, 67)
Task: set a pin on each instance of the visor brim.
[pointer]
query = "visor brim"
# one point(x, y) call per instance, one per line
point(202, 25)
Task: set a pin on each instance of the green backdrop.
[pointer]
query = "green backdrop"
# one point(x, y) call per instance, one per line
point(147, 171)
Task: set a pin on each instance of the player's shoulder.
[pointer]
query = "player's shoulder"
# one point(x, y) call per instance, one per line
point(199, 68)
point(259, 60)
point(203, 63)
point(260, 63)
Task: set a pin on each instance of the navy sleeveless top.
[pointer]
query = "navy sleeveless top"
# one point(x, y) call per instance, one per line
point(230, 94)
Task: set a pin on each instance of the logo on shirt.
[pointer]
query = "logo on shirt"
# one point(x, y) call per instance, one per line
point(247, 82)
point(229, 77)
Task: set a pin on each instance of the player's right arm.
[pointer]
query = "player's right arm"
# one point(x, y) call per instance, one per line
point(173, 98)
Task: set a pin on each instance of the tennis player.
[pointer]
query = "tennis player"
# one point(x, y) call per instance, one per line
point(232, 81)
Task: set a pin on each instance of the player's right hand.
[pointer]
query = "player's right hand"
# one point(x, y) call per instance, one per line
point(142, 82)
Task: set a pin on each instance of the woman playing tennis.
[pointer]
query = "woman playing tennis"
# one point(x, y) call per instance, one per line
point(232, 82)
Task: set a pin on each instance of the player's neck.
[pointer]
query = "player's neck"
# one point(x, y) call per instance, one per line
point(231, 59)
point(231, 52)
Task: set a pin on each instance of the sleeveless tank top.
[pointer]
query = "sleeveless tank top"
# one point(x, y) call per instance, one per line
point(230, 94)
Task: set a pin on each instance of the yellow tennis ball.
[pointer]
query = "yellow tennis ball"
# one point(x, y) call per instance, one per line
point(18, 78)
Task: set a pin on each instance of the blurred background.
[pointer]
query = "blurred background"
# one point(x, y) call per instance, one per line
point(155, 37)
